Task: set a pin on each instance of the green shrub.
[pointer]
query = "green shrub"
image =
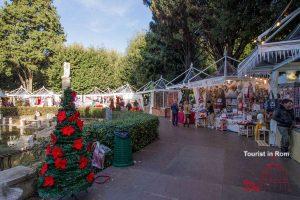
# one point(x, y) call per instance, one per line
point(22, 110)
point(143, 129)
point(92, 112)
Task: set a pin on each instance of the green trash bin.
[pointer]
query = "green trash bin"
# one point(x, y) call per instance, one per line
point(122, 149)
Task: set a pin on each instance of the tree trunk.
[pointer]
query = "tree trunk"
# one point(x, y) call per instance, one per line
point(30, 81)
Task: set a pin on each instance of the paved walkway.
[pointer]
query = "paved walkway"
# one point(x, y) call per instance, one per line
point(189, 163)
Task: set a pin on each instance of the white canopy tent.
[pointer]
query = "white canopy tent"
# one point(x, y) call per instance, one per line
point(158, 87)
point(270, 55)
point(226, 71)
point(43, 92)
point(19, 92)
point(183, 78)
point(48, 97)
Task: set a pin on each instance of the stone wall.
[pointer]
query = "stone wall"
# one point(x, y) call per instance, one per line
point(20, 177)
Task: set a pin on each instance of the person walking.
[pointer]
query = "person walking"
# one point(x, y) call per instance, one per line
point(174, 109)
point(284, 116)
point(187, 113)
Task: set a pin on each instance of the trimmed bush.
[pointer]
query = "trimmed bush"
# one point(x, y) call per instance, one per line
point(22, 110)
point(88, 112)
point(143, 129)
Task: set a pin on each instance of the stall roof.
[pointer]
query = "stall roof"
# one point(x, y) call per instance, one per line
point(226, 70)
point(43, 92)
point(19, 92)
point(158, 85)
point(123, 89)
point(95, 91)
point(275, 53)
point(183, 78)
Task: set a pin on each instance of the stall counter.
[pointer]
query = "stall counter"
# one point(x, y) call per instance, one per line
point(232, 124)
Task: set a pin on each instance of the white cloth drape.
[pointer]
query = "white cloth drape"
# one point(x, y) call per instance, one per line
point(179, 96)
point(197, 95)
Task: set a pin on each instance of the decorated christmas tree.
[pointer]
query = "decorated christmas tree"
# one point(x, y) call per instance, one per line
point(67, 167)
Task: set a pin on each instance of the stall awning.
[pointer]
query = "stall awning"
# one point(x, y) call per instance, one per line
point(43, 92)
point(274, 53)
point(20, 92)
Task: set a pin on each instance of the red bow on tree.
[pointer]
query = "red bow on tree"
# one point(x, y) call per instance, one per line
point(48, 181)
point(53, 139)
point(74, 117)
point(83, 162)
point(57, 152)
point(73, 94)
point(89, 147)
point(79, 124)
point(48, 150)
point(60, 163)
point(78, 144)
point(68, 131)
point(90, 177)
point(44, 169)
point(61, 116)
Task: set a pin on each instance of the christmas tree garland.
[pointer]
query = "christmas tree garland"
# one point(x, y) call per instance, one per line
point(67, 168)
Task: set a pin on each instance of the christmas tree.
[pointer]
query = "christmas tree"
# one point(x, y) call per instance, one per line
point(67, 167)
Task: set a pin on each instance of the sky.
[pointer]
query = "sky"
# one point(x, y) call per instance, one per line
point(102, 23)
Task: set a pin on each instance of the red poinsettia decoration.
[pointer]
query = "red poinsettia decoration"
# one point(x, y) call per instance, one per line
point(74, 117)
point(60, 163)
point(83, 162)
point(90, 177)
point(73, 94)
point(78, 144)
point(57, 152)
point(44, 169)
point(68, 131)
point(79, 124)
point(89, 147)
point(48, 150)
point(53, 139)
point(61, 116)
point(48, 181)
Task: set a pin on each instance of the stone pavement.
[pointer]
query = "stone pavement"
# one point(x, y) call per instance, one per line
point(200, 164)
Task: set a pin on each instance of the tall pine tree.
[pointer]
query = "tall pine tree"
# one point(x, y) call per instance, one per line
point(30, 33)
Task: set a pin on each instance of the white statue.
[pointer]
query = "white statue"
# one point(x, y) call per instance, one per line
point(67, 70)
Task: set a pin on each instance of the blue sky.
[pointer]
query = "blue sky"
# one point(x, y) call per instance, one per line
point(102, 23)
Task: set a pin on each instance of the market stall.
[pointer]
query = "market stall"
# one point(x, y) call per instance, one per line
point(20, 97)
point(44, 97)
point(156, 98)
point(185, 93)
point(95, 98)
point(280, 59)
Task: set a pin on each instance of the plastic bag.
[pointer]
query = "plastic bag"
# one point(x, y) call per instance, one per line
point(99, 155)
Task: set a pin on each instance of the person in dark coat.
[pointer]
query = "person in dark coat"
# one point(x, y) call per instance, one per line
point(175, 110)
point(284, 116)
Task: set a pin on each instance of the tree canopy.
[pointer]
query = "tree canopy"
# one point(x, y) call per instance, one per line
point(30, 33)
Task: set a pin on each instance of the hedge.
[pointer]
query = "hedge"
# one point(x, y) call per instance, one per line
point(92, 112)
point(143, 129)
point(23, 110)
